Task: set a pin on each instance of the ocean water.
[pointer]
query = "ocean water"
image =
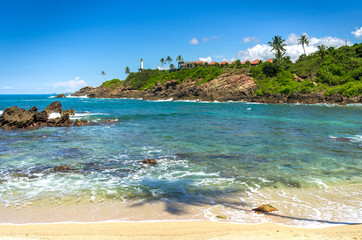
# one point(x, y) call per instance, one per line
point(304, 159)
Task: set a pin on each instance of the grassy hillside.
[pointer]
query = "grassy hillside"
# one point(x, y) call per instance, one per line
point(337, 71)
point(149, 78)
point(340, 72)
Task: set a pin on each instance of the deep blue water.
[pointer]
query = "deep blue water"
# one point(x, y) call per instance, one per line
point(203, 149)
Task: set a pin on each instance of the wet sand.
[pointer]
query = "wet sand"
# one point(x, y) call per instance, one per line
point(174, 230)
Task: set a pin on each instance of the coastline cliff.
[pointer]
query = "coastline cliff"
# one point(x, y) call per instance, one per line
point(226, 87)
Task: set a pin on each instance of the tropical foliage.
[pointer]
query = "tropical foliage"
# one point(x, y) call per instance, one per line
point(332, 71)
point(149, 78)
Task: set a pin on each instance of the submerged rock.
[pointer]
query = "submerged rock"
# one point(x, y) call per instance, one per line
point(342, 139)
point(221, 217)
point(149, 161)
point(62, 168)
point(265, 209)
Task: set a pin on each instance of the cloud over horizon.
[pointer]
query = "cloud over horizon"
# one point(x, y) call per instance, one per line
point(6, 88)
point(70, 85)
point(293, 49)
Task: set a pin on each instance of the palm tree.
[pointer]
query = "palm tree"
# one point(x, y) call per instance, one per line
point(172, 66)
point(127, 70)
point(162, 61)
point(169, 60)
point(278, 45)
point(304, 41)
point(179, 58)
point(322, 52)
point(104, 75)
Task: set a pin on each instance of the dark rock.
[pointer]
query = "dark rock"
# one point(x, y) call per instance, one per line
point(54, 107)
point(221, 217)
point(265, 209)
point(41, 116)
point(62, 121)
point(62, 168)
point(79, 123)
point(14, 117)
point(71, 112)
point(149, 161)
point(62, 95)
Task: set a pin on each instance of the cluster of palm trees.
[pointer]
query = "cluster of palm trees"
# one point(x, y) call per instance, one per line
point(169, 61)
point(278, 45)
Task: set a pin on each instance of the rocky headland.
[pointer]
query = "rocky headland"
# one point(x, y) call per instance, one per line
point(226, 87)
point(52, 116)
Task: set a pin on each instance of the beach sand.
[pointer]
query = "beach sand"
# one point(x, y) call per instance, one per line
point(174, 230)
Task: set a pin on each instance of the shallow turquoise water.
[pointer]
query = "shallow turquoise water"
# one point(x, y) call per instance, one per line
point(205, 150)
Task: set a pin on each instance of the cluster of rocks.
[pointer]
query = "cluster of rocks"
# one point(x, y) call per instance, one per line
point(52, 116)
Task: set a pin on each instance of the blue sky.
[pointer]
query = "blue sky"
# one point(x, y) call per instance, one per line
point(60, 46)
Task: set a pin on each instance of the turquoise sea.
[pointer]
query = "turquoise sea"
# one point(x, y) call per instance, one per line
point(306, 160)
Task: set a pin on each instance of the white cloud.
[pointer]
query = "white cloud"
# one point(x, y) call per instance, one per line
point(6, 88)
point(357, 33)
point(207, 39)
point(194, 41)
point(251, 39)
point(207, 59)
point(292, 39)
point(263, 51)
point(70, 85)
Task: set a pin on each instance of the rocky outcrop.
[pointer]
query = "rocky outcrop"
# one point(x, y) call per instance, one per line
point(62, 95)
point(228, 86)
point(54, 107)
point(225, 87)
point(15, 118)
point(79, 123)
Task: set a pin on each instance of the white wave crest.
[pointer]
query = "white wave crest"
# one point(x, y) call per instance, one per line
point(69, 96)
point(1, 112)
point(54, 115)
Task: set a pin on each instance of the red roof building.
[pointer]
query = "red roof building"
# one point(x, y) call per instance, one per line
point(213, 63)
point(224, 62)
point(245, 61)
point(269, 60)
point(199, 62)
point(255, 62)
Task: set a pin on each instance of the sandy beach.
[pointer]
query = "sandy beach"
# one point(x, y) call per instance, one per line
point(174, 230)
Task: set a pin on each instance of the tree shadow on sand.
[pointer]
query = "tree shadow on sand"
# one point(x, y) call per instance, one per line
point(176, 194)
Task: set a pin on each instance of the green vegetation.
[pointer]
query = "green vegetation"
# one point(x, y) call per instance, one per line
point(333, 71)
point(114, 83)
point(149, 78)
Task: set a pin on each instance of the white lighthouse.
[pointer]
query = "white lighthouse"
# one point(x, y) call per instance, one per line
point(141, 68)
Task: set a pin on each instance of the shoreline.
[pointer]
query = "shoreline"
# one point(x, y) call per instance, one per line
point(175, 230)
